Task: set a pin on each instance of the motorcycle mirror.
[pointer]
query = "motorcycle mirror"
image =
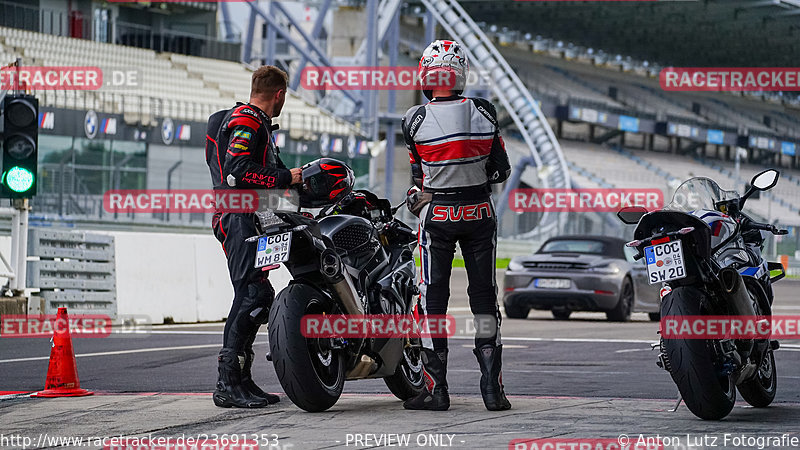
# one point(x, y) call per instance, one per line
point(631, 214)
point(397, 207)
point(765, 180)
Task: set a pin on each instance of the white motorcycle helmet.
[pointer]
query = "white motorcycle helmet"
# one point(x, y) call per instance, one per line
point(448, 59)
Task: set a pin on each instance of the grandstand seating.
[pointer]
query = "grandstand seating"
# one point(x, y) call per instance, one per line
point(594, 165)
point(678, 168)
point(182, 87)
point(550, 77)
point(620, 171)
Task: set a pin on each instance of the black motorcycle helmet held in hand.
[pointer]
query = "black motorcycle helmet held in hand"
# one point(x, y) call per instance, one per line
point(326, 181)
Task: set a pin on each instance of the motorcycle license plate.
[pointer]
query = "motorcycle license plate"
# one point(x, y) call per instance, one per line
point(665, 262)
point(273, 249)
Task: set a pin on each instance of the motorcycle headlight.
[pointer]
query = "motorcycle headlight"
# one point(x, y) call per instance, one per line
point(607, 269)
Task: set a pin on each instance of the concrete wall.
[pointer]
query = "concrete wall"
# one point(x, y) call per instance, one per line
point(183, 276)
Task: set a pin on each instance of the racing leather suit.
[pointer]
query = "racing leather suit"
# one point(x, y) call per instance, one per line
point(241, 154)
point(456, 153)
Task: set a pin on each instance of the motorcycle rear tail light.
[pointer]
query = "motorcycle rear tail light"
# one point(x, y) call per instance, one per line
point(660, 240)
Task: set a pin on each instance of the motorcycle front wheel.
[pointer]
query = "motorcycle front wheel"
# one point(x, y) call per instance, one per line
point(707, 391)
point(408, 380)
point(311, 373)
point(760, 391)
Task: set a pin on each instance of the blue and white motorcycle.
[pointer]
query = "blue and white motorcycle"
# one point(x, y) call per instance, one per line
point(706, 252)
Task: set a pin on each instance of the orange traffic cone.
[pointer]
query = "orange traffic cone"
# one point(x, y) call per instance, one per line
point(62, 374)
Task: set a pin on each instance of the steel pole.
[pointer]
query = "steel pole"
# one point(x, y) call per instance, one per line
point(372, 60)
point(14, 258)
point(393, 44)
point(271, 37)
point(20, 271)
point(169, 182)
point(322, 12)
point(247, 48)
point(430, 28)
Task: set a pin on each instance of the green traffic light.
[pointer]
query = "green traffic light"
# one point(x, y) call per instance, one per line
point(18, 179)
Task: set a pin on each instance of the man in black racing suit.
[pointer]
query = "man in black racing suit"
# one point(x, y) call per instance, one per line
point(456, 153)
point(241, 154)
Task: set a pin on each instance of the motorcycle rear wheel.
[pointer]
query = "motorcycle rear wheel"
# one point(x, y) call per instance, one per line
point(311, 373)
point(708, 394)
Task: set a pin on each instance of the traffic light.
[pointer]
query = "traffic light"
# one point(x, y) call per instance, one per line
point(20, 146)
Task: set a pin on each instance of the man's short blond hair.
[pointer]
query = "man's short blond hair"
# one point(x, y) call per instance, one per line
point(267, 80)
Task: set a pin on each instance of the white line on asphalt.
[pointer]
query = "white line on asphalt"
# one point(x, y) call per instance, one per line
point(548, 371)
point(124, 352)
point(586, 340)
point(146, 332)
point(190, 325)
point(10, 396)
point(505, 346)
point(629, 350)
point(787, 347)
point(535, 339)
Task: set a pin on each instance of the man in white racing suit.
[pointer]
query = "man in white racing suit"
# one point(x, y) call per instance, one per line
point(456, 153)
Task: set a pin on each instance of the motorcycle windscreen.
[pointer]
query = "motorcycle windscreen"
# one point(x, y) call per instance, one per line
point(697, 194)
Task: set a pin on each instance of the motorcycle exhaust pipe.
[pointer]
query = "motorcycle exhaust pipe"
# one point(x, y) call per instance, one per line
point(742, 305)
point(733, 287)
point(340, 281)
point(365, 366)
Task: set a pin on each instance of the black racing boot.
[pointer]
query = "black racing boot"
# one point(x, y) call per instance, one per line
point(490, 361)
point(230, 390)
point(435, 396)
point(250, 385)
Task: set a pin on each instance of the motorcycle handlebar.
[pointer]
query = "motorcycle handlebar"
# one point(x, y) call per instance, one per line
point(766, 227)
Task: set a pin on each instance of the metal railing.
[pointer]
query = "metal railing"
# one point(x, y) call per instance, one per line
point(133, 35)
point(146, 110)
point(75, 24)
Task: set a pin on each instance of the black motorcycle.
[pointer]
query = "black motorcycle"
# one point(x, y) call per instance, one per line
point(354, 259)
point(707, 254)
